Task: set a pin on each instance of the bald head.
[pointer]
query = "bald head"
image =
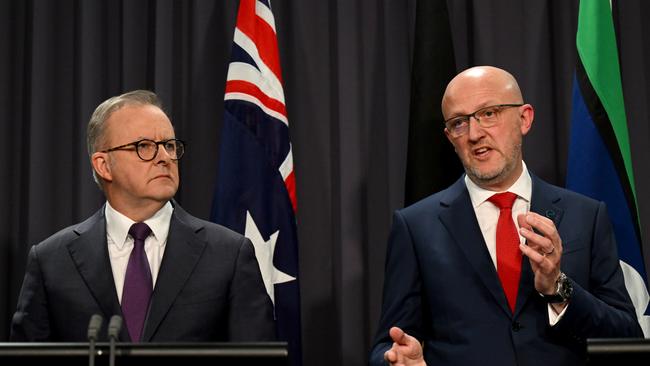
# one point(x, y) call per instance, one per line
point(486, 81)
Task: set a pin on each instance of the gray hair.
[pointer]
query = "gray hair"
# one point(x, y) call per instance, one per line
point(97, 125)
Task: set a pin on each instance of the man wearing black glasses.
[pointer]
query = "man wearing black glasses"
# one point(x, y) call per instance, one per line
point(171, 276)
point(501, 268)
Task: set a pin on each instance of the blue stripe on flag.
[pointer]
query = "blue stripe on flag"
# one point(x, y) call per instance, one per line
point(239, 55)
point(270, 132)
point(591, 172)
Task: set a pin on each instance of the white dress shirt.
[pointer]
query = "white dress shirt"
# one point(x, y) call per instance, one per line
point(487, 215)
point(120, 243)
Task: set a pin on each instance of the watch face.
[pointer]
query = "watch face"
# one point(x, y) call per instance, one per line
point(563, 290)
point(564, 287)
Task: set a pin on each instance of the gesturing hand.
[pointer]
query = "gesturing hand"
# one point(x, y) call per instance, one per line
point(544, 251)
point(406, 350)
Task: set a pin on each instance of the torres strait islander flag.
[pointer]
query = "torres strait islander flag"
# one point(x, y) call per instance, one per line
point(256, 191)
point(600, 161)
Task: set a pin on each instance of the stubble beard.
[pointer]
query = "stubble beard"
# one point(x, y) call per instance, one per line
point(495, 176)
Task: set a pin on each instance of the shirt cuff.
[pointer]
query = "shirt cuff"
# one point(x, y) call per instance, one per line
point(553, 317)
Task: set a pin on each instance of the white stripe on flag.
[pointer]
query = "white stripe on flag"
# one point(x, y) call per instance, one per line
point(267, 74)
point(247, 72)
point(254, 100)
point(287, 165)
point(639, 295)
point(265, 14)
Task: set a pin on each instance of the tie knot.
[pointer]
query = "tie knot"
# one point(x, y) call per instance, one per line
point(503, 200)
point(140, 231)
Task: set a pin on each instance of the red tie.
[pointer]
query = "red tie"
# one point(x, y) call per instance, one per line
point(508, 253)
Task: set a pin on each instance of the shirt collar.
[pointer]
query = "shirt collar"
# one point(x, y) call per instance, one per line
point(118, 225)
point(523, 188)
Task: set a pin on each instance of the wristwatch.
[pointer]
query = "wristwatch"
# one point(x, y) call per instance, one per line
point(563, 290)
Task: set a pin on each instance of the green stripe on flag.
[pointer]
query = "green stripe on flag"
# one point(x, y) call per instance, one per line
point(596, 44)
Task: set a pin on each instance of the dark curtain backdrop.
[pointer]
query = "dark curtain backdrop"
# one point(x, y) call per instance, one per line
point(347, 71)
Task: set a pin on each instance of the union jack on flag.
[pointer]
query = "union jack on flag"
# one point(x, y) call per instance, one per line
point(256, 191)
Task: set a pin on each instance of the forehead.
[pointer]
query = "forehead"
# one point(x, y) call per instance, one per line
point(473, 95)
point(139, 121)
point(465, 95)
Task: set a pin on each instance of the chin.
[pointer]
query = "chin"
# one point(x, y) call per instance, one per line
point(485, 176)
point(164, 194)
point(486, 171)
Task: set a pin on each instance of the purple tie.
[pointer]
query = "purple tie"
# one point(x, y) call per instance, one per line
point(137, 283)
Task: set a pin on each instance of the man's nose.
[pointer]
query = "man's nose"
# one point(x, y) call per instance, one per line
point(162, 156)
point(475, 130)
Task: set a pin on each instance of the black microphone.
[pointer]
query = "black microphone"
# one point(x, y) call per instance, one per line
point(114, 327)
point(94, 325)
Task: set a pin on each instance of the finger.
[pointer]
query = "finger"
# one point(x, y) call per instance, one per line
point(540, 263)
point(398, 335)
point(544, 225)
point(546, 254)
point(521, 221)
point(537, 260)
point(390, 356)
point(538, 242)
point(533, 255)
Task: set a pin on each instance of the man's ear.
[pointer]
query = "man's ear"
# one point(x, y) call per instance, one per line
point(527, 116)
point(448, 136)
point(101, 165)
point(451, 139)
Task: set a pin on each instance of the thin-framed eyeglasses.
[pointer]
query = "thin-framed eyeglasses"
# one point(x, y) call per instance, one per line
point(148, 149)
point(486, 117)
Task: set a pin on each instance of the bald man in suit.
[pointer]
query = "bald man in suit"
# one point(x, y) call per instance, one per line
point(501, 268)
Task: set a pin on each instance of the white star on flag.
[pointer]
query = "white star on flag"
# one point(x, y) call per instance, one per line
point(264, 251)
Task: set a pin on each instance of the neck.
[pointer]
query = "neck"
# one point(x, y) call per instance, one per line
point(138, 212)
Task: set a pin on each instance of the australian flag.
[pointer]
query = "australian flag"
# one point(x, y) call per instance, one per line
point(256, 191)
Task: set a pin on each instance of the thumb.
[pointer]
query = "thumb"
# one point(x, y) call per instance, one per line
point(521, 220)
point(398, 335)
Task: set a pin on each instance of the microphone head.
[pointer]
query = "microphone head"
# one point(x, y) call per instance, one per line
point(94, 325)
point(114, 326)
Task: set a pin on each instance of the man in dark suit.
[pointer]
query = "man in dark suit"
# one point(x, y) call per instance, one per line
point(171, 276)
point(476, 288)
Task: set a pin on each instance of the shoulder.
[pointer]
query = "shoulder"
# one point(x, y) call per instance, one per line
point(206, 230)
point(66, 235)
point(562, 196)
point(433, 204)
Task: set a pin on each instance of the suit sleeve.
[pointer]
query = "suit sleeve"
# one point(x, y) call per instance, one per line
point(30, 322)
point(402, 303)
point(251, 310)
point(604, 309)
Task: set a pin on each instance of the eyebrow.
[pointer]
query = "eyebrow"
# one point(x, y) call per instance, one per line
point(481, 106)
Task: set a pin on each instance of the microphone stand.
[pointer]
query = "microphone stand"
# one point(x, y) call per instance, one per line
point(94, 325)
point(114, 327)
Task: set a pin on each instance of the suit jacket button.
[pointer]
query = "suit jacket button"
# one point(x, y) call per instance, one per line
point(516, 326)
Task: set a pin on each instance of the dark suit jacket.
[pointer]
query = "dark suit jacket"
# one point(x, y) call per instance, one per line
point(209, 287)
point(441, 285)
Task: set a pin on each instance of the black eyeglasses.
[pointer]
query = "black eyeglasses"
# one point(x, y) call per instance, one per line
point(148, 149)
point(486, 117)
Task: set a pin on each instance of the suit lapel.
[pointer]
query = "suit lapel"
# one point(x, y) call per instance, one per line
point(460, 220)
point(89, 252)
point(544, 200)
point(182, 252)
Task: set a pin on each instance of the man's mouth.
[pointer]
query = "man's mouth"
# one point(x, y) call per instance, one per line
point(481, 152)
point(162, 176)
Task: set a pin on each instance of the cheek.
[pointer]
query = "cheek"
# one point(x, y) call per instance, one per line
point(174, 171)
point(513, 141)
point(458, 145)
point(463, 150)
